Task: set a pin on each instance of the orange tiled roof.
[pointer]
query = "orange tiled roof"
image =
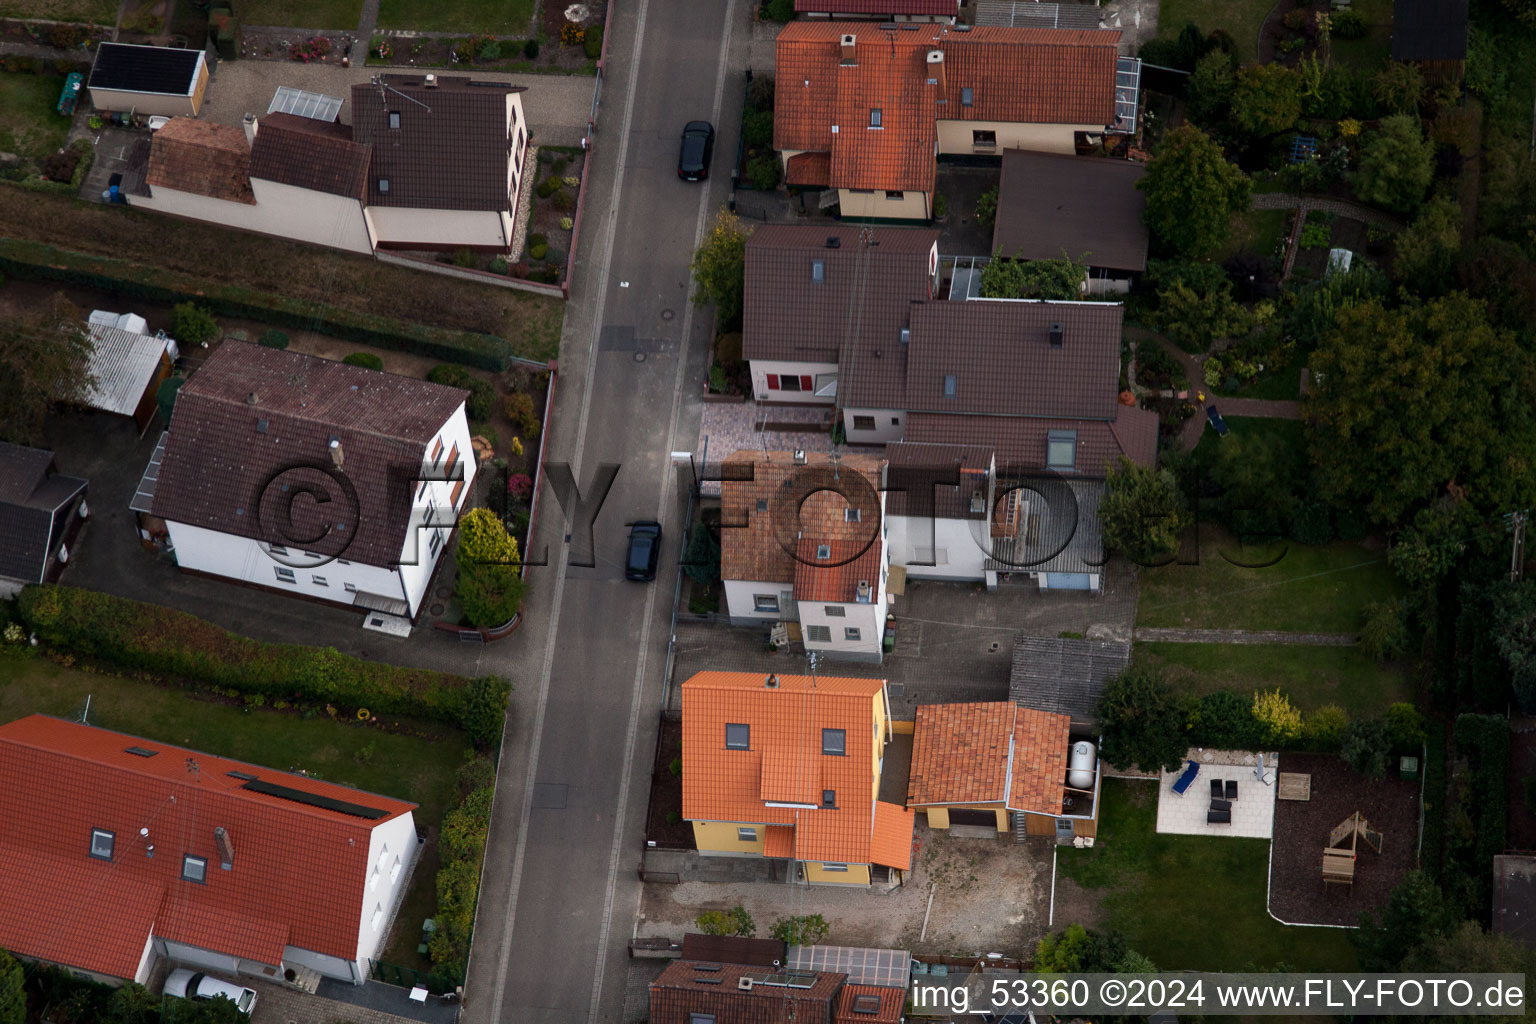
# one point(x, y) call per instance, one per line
point(299, 875)
point(814, 169)
point(201, 157)
point(890, 1004)
point(760, 517)
point(790, 776)
point(1013, 75)
point(728, 785)
point(1040, 748)
point(960, 754)
point(893, 836)
point(837, 577)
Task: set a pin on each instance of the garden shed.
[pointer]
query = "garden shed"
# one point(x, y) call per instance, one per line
point(148, 79)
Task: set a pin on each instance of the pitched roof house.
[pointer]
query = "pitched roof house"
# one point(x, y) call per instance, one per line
point(801, 543)
point(695, 992)
point(40, 513)
point(788, 767)
point(164, 80)
point(120, 850)
point(255, 428)
point(881, 10)
point(864, 110)
point(310, 154)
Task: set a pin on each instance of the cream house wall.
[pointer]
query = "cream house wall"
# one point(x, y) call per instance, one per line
point(400, 226)
point(875, 204)
point(298, 214)
point(889, 425)
point(955, 137)
point(761, 368)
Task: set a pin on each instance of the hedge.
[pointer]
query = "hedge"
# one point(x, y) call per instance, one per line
point(462, 842)
point(1484, 741)
point(136, 636)
point(33, 260)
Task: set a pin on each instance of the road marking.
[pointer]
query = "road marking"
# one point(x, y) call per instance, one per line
point(606, 257)
point(668, 481)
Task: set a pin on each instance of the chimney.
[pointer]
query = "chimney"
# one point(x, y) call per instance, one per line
point(431, 82)
point(1057, 332)
point(936, 69)
point(226, 848)
point(250, 398)
point(772, 682)
point(250, 129)
point(337, 455)
point(848, 41)
point(864, 590)
point(744, 983)
point(799, 456)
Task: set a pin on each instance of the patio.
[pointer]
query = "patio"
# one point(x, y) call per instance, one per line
point(1253, 811)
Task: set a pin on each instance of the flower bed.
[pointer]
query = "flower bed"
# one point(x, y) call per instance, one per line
point(61, 35)
point(566, 48)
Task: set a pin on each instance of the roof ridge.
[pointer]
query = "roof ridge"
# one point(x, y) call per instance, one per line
point(272, 414)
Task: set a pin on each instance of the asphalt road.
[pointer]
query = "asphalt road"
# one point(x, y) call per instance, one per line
point(559, 892)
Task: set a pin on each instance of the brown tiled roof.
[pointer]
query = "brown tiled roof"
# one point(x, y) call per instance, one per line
point(960, 754)
point(1004, 364)
point(1020, 441)
point(201, 157)
point(812, 169)
point(758, 543)
point(1040, 747)
point(1014, 75)
point(733, 949)
point(869, 1004)
point(223, 450)
point(451, 151)
point(306, 153)
point(688, 987)
point(936, 479)
point(1049, 203)
point(837, 577)
point(868, 281)
point(939, 7)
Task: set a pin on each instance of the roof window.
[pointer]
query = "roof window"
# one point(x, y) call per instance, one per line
point(383, 186)
point(394, 119)
point(874, 117)
point(102, 842)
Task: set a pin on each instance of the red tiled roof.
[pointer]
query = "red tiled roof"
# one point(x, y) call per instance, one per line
point(960, 754)
point(201, 157)
point(837, 577)
point(811, 169)
point(299, 872)
point(854, 1004)
point(679, 993)
point(929, 7)
point(1040, 747)
point(785, 724)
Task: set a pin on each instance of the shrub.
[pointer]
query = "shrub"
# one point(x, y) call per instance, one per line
point(676, 767)
point(940, 205)
point(1279, 721)
point(717, 381)
point(1312, 523)
point(192, 324)
point(757, 128)
point(548, 187)
point(489, 587)
point(986, 208)
point(489, 50)
point(800, 930)
point(464, 258)
point(1385, 632)
point(1405, 728)
point(735, 921)
point(566, 223)
point(273, 339)
point(1224, 719)
point(1348, 24)
point(367, 360)
point(520, 411)
point(571, 180)
point(593, 43)
point(537, 250)
point(563, 201)
point(1323, 729)
point(571, 34)
point(482, 396)
point(728, 350)
point(499, 265)
point(520, 486)
point(1144, 721)
point(1315, 236)
point(1366, 747)
point(485, 709)
point(63, 35)
point(702, 559)
point(458, 881)
point(760, 93)
point(537, 239)
point(763, 172)
point(531, 49)
point(1297, 19)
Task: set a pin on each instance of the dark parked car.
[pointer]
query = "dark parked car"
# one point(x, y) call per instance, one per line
point(644, 550)
point(1216, 421)
point(698, 147)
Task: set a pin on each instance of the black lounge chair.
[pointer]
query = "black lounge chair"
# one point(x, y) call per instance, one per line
point(1221, 805)
point(1231, 789)
point(1218, 817)
point(1216, 789)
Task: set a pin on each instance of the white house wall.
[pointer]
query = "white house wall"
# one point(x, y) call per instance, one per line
point(240, 558)
point(955, 547)
point(406, 227)
point(329, 966)
point(890, 424)
point(391, 848)
point(740, 606)
point(417, 560)
point(196, 956)
point(299, 214)
point(761, 368)
point(869, 619)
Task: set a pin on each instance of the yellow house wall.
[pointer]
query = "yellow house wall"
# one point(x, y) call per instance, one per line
point(857, 874)
point(938, 817)
point(721, 837)
point(903, 728)
point(955, 136)
point(1039, 825)
point(201, 86)
point(881, 731)
point(911, 205)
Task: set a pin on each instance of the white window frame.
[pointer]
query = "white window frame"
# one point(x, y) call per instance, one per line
point(197, 864)
point(284, 574)
point(1053, 440)
point(746, 835)
point(852, 634)
point(765, 603)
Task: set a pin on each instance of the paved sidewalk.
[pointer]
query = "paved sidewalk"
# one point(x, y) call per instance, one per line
point(1243, 636)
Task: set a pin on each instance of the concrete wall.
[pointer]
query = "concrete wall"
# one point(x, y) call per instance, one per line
point(876, 205)
point(956, 137)
point(889, 425)
point(724, 837)
point(953, 545)
point(406, 228)
point(761, 368)
point(301, 215)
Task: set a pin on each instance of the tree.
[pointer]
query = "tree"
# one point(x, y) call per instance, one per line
point(1142, 512)
point(719, 268)
point(1192, 191)
point(1366, 746)
point(44, 354)
point(489, 589)
point(1425, 551)
point(1467, 948)
point(986, 208)
point(1396, 165)
point(1384, 635)
point(1276, 716)
point(1514, 636)
point(1077, 950)
point(1427, 252)
point(1407, 402)
point(13, 998)
point(1209, 93)
point(800, 930)
point(735, 921)
point(1266, 99)
point(1415, 914)
point(192, 325)
point(702, 560)
point(1144, 721)
point(1018, 278)
point(1399, 87)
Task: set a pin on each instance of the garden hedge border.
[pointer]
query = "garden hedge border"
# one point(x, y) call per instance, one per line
point(36, 261)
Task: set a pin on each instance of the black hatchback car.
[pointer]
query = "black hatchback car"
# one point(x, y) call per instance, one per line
point(698, 147)
point(644, 550)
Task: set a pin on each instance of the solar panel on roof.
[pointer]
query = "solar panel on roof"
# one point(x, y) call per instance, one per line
point(300, 796)
point(887, 968)
point(319, 107)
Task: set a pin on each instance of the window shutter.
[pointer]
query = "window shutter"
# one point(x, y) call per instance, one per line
point(807, 383)
point(773, 382)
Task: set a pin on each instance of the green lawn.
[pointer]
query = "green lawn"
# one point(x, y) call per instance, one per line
point(1257, 231)
point(472, 17)
point(421, 770)
point(1191, 902)
point(29, 124)
point(1320, 589)
point(1240, 18)
point(322, 14)
point(1311, 676)
point(100, 12)
point(1291, 432)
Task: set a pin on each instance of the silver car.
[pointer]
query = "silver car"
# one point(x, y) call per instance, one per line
point(185, 984)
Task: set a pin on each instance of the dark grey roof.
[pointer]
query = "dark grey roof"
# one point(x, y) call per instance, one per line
point(251, 413)
point(868, 282)
point(1429, 30)
point(452, 149)
point(1064, 676)
point(732, 949)
point(1020, 441)
point(310, 154)
point(1062, 533)
point(31, 490)
point(132, 68)
point(1029, 14)
point(1514, 898)
point(1049, 203)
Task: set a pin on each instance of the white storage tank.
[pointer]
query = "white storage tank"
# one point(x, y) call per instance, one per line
point(1080, 765)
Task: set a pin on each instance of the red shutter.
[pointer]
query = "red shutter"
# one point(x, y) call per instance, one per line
point(807, 383)
point(773, 382)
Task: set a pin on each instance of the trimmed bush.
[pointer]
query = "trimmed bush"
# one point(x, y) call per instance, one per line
point(499, 265)
point(779, 10)
point(1348, 24)
point(482, 396)
point(458, 881)
point(563, 201)
point(537, 250)
point(548, 187)
point(531, 49)
point(192, 324)
point(139, 637)
point(593, 43)
point(519, 409)
point(490, 50)
point(764, 173)
point(273, 339)
point(757, 128)
point(367, 360)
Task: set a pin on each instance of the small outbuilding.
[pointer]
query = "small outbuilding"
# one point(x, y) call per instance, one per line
point(127, 367)
point(148, 79)
point(41, 512)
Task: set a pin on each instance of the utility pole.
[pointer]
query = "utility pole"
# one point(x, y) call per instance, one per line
point(1517, 522)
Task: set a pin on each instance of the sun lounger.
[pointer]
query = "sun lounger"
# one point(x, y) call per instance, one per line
point(1231, 789)
point(1216, 789)
point(1183, 782)
point(1218, 817)
point(1221, 805)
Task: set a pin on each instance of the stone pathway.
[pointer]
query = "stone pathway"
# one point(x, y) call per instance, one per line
point(367, 21)
point(1243, 636)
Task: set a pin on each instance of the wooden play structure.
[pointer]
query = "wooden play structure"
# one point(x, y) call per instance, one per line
point(1339, 862)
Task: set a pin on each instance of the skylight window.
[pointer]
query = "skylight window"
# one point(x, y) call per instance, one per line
point(874, 117)
point(102, 842)
point(194, 869)
point(950, 385)
point(394, 119)
point(738, 736)
point(823, 552)
point(383, 186)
